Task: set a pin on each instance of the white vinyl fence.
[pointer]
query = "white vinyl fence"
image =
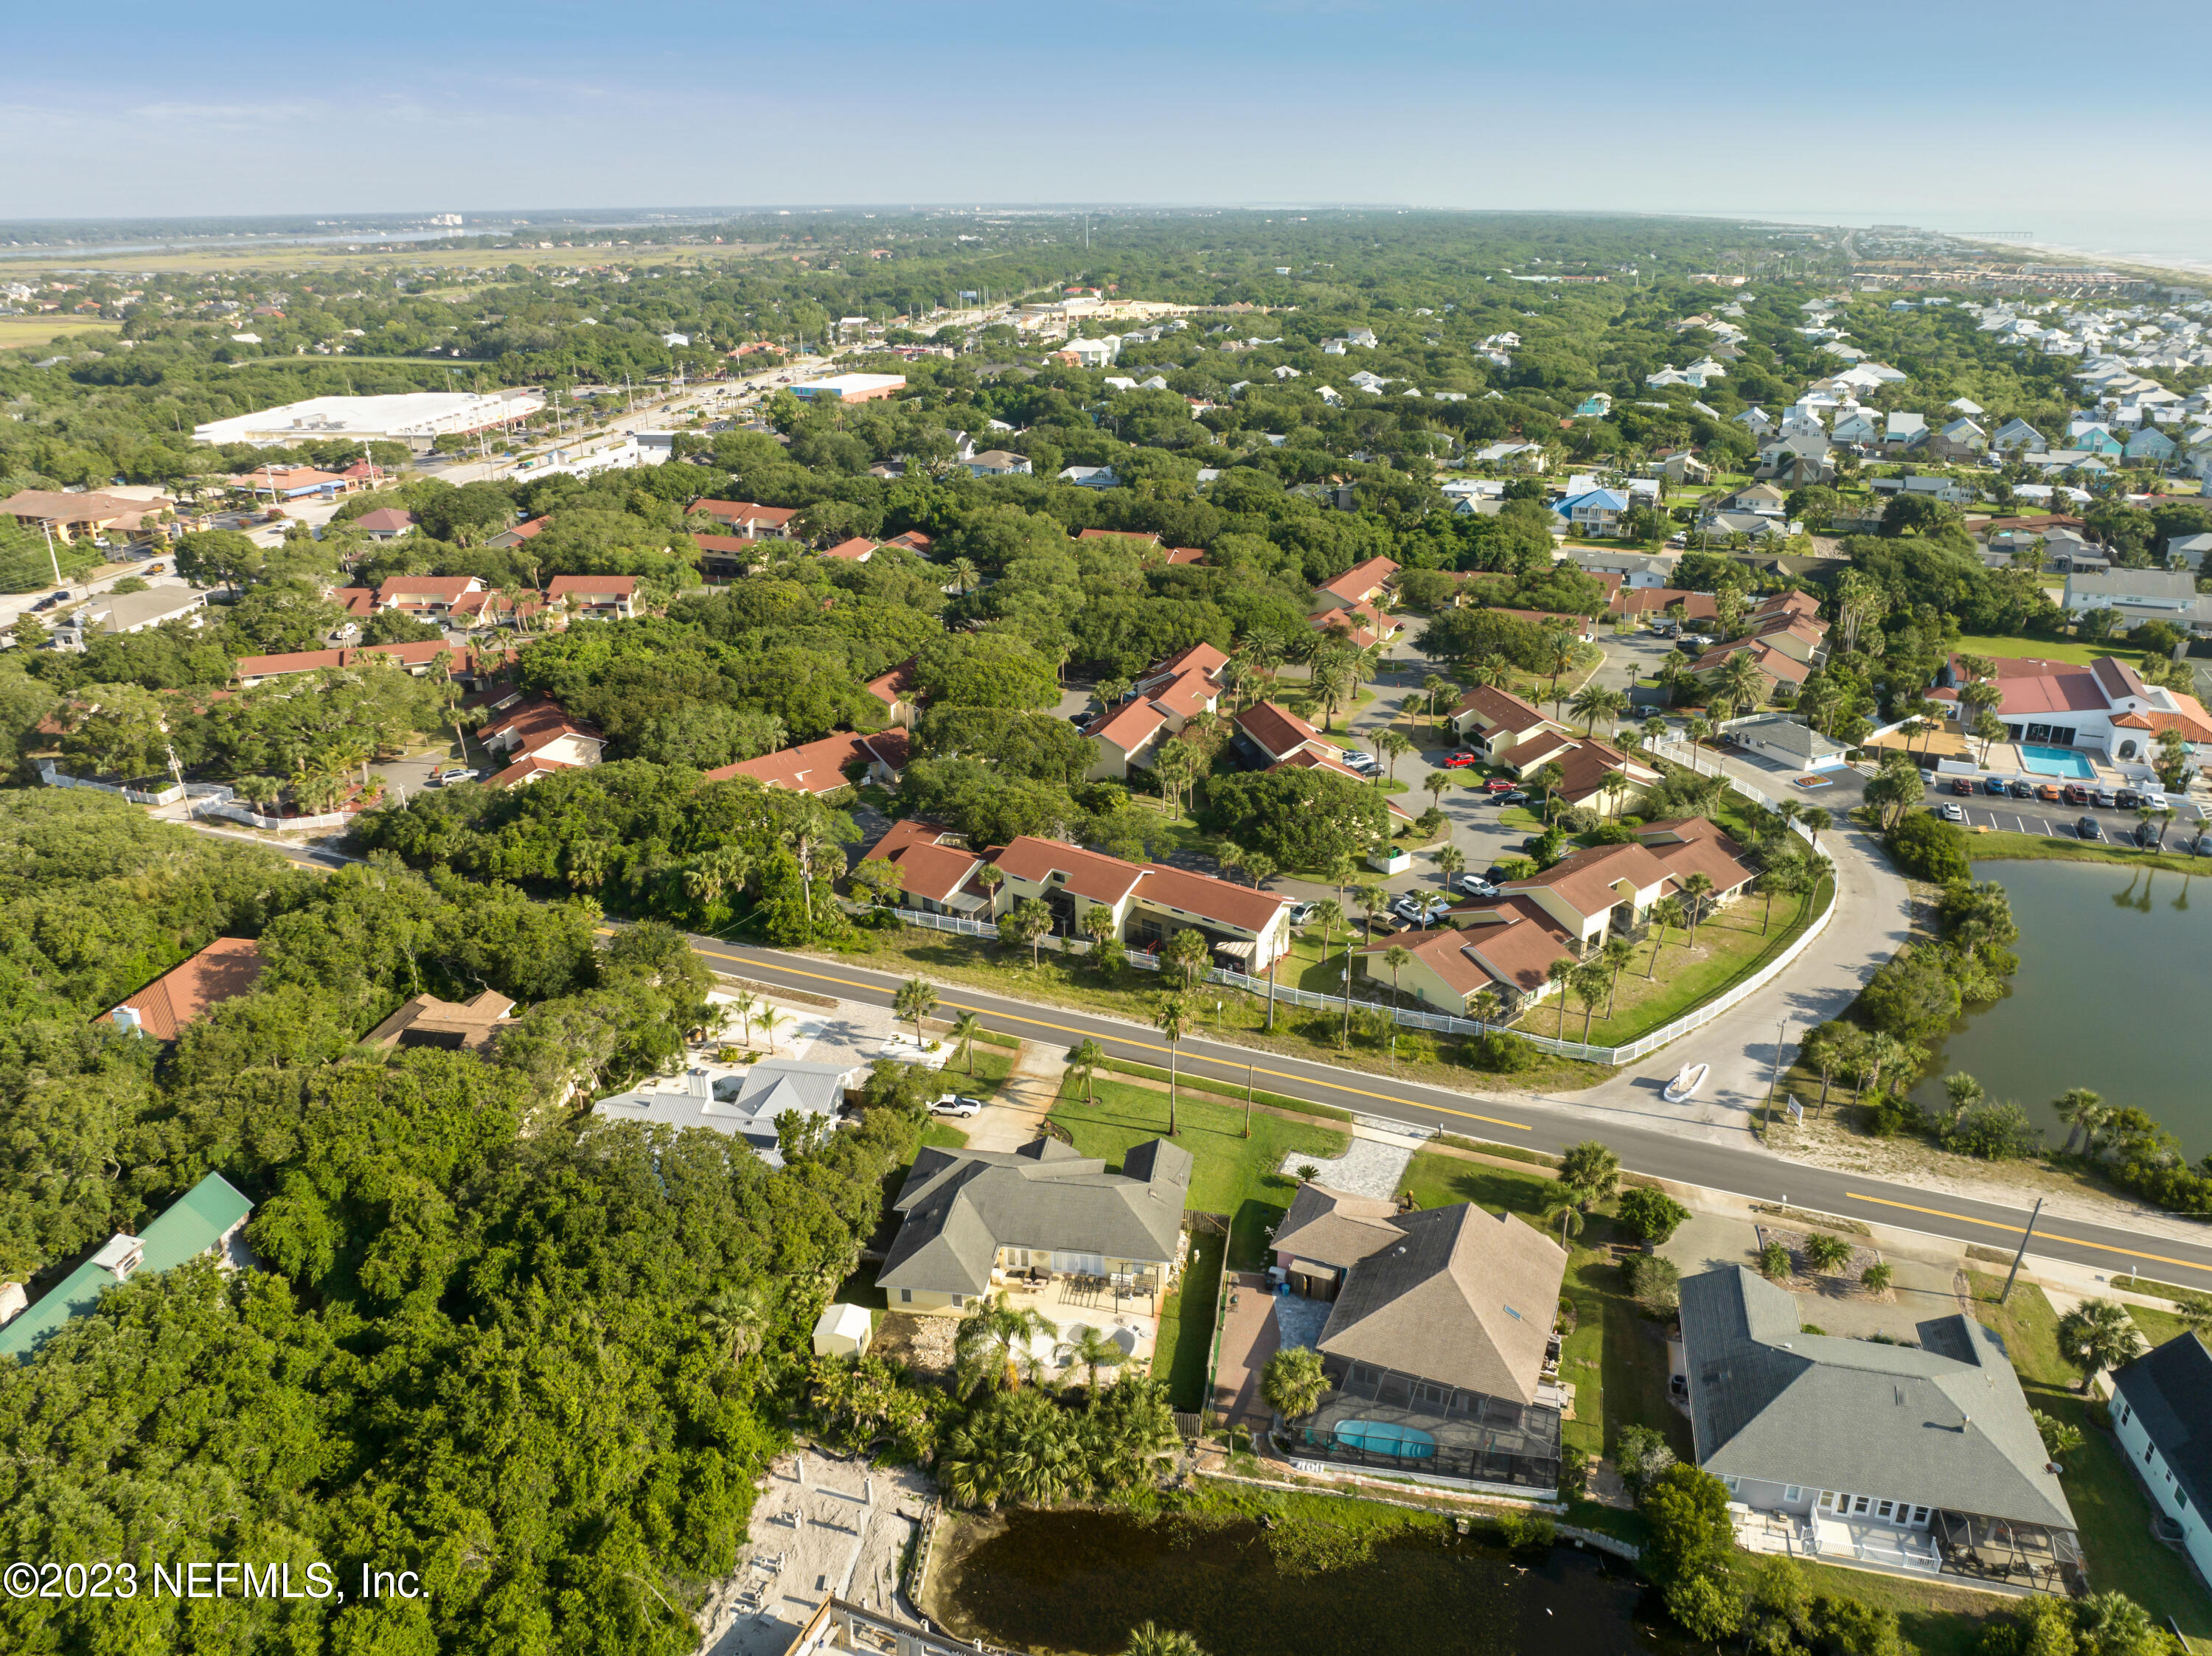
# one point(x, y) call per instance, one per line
point(1445, 1023)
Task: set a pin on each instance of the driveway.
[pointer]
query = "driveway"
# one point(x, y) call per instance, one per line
point(1872, 920)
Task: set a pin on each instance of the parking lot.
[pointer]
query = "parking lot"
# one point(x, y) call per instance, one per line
point(2117, 822)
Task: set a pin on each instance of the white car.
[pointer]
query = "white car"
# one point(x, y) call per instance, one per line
point(457, 773)
point(957, 1104)
point(1475, 886)
point(1419, 910)
point(1953, 812)
point(1360, 760)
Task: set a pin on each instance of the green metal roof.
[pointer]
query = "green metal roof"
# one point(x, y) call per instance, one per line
point(188, 1227)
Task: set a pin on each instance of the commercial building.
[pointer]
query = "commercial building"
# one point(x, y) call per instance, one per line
point(850, 387)
point(417, 419)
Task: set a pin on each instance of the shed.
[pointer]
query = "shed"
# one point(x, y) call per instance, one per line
point(843, 1330)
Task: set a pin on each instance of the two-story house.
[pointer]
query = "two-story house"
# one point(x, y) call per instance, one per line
point(2162, 1415)
point(599, 598)
point(1248, 928)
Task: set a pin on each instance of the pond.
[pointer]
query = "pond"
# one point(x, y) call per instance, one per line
point(2111, 984)
point(1078, 1582)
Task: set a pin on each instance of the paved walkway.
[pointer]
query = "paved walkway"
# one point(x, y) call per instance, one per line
point(1369, 1167)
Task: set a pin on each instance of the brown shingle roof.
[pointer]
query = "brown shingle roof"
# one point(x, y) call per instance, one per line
point(1091, 873)
point(222, 970)
point(1128, 726)
point(1357, 582)
point(1584, 880)
point(1335, 1227)
point(1277, 730)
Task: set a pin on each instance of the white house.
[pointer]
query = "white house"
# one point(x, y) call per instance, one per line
point(2162, 1415)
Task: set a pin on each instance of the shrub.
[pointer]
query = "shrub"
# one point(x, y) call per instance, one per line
point(1877, 1276)
point(1651, 1216)
point(1994, 1132)
point(1642, 1454)
point(1774, 1261)
point(1528, 1535)
point(1500, 1054)
point(1656, 1284)
point(1929, 848)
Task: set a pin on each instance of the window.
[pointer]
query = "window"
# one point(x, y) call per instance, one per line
point(1858, 1505)
point(2124, 1414)
point(1882, 1508)
point(1793, 1493)
point(1920, 1515)
point(1828, 1498)
point(959, 1299)
point(1731, 1483)
point(906, 1296)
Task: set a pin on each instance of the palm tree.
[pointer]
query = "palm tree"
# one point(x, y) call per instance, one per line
point(733, 1320)
point(2077, 1107)
point(1092, 1350)
point(1397, 958)
point(965, 1028)
point(1570, 1217)
point(1085, 1061)
point(1292, 1384)
point(915, 1000)
point(1395, 745)
point(1548, 776)
point(1435, 685)
point(1259, 868)
point(1435, 782)
point(1963, 1090)
point(1590, 983)
point(1590, 1170)
point(1594, 701)
point(1667, 911)
point(994, 1339)
point(1098, 925)
point(1450, 860)
point(1558, 649)
point(1697, 889)
point(773, 1019)
point(1176, 1015)
point(1486, 1006)
point(1558, 974)
point(2099, 1335)
point(1616, 955)
point(1493, 672)
point(963, 570)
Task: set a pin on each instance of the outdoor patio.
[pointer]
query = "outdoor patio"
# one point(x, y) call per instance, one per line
point(2013, 1555)
point(1128, 1319)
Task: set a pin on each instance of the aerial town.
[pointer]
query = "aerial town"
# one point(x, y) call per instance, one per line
point(1116, 932)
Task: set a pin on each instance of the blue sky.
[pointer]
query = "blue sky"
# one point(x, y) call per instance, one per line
point(1975, 117)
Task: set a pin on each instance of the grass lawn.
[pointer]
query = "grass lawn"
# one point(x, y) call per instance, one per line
point(1730, 946)
point(24, 332)
point(2061, 848)
point(940, 1135)
point(2158, 1326)
point(2114, 1515)
point(2080, 655)
point(1233, 1174)
point(1938, 1621)
point(1184, 1353)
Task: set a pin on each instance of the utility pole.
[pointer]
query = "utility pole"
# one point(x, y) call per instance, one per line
point(1247, 1098)
point(1774, 1070)
point(2022, 1255)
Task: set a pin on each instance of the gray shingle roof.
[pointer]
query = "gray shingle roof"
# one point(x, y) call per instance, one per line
point(961, 1207)
point(1944, 1425)
point(1466, 1299)
point(2171, 1391)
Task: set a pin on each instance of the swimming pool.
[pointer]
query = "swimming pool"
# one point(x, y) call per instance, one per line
point(1380, 1437)
point(2057, 761)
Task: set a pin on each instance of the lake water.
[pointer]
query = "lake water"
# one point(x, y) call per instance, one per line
point(2111, 990)
point(1070, 1582)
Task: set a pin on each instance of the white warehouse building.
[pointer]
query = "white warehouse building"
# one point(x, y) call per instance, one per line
point(417, 419)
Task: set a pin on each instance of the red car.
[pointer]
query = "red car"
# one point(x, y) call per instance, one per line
point(1459, 761)
point(1499, 784)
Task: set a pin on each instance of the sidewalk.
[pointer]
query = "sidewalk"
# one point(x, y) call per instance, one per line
point(1016, 1117)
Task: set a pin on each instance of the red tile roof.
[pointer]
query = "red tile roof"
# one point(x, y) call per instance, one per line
point(895, 686)
point(1201, 655)
point(1584, 880)
point(223, 970)
point(1128, 726)
point(1091, 873)
point(744, 511)
point(1499, 709)
point(385, 520)
point(858, 549)
point(355, 600)
point(1191, 693)
point(1701, 848)
point(591, 587)
point(1186, 554)
point(1207, 898)
point(429, 588)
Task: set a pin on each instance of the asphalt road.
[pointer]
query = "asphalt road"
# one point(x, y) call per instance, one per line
point(1747, 1172)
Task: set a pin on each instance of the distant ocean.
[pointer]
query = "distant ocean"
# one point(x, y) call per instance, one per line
point(2179, 242)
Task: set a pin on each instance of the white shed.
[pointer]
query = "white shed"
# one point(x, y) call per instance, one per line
point(843, 1330)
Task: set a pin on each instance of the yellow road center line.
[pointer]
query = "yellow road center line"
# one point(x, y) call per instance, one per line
point(2020, 1230)
point(1142, 1046)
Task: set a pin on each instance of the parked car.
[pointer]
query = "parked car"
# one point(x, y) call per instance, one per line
point(2049, 790)
point(1360, 760)
point(1996, 785)
point(1496, 873)
point(1080, 719)
point(2155, 801)
point(2086, 828)
point(1302, 913)
point(1498, 785)
point(2023, 791)
point(1418, 909)
point(1533, 845)
point(1515, 798)
point(2104, 797)
point(1954, 811)
point(1459, 761)
point(453, 773)
point(2146, 834)
point(2076, 794)
point(957, 1104)
point(1475, 886)
point(2127, 798)
point(1962, 785)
